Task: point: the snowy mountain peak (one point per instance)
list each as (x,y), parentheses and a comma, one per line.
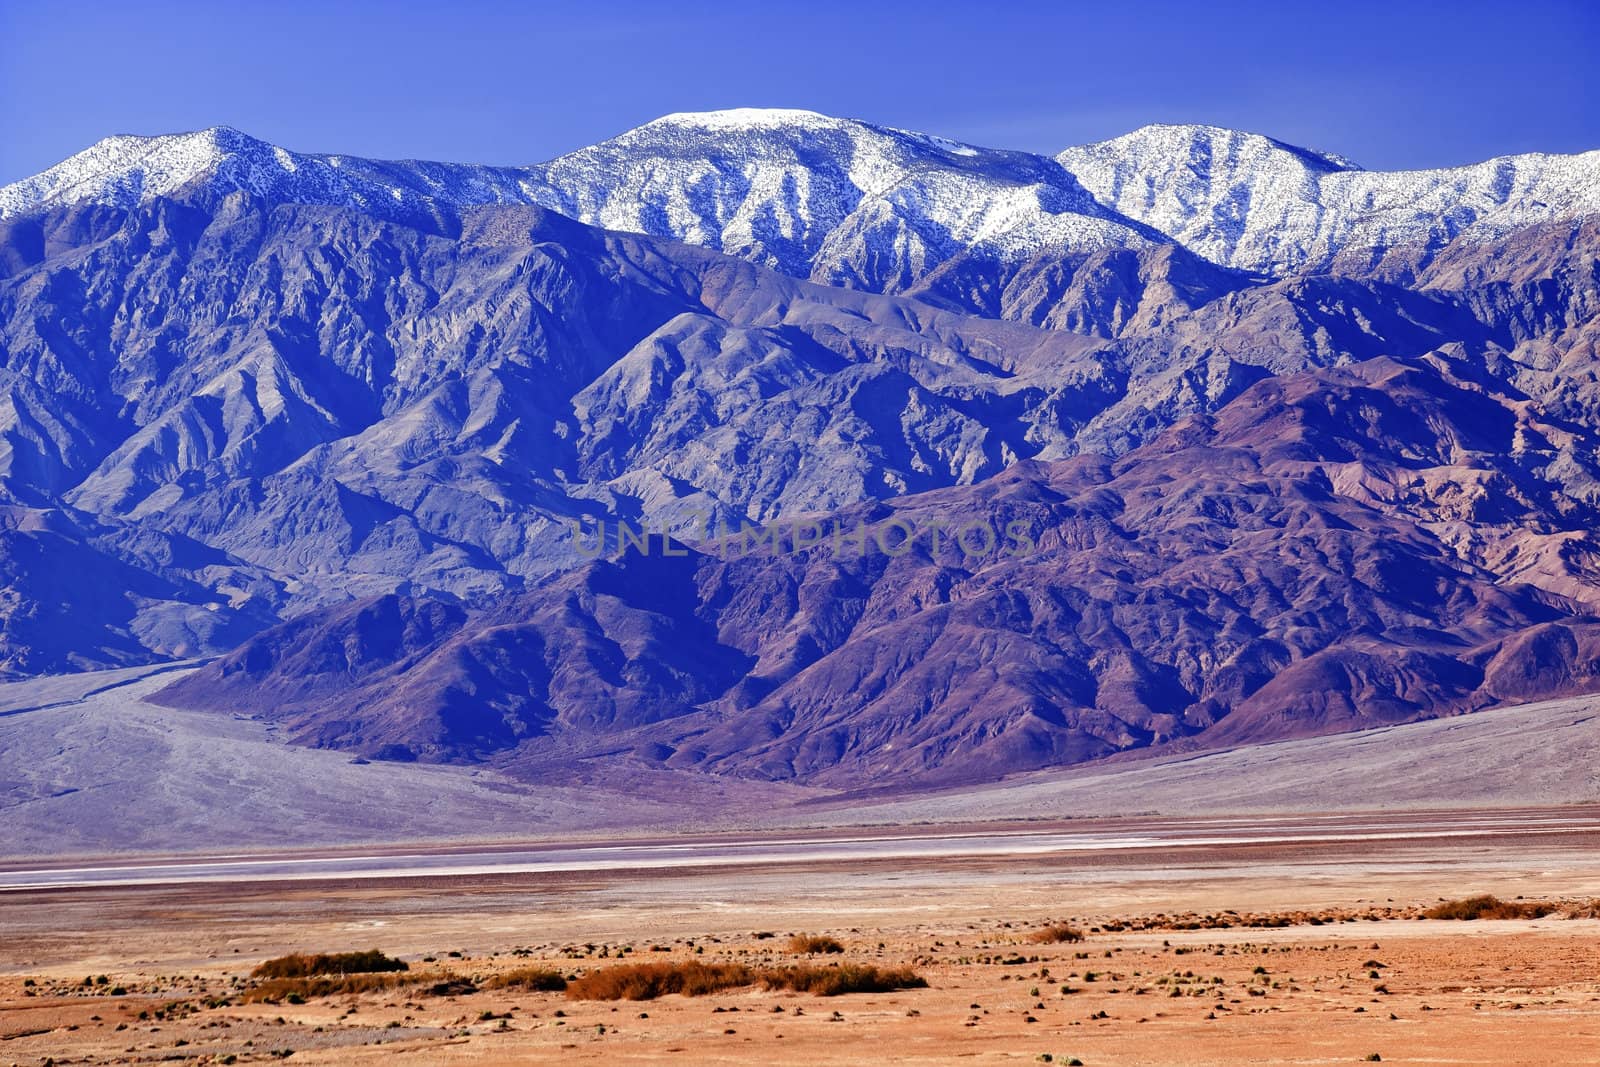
(746,118)
(124,170)
(1245,200)
(1208,144)
(805,138)
(840,201)
(800,122)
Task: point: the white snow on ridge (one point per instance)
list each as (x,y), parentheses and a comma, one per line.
(125,171)
(775,186)
(1247,201)
(118,170)
(854,203)
(744,118)
(832,199)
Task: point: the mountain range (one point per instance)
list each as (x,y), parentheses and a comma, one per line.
(1294,447)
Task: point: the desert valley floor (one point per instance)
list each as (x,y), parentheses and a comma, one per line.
(154,857)
(1205,941)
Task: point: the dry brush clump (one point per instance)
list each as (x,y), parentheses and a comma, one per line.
(532,979)
(842,978)
(300,965)
(1230,918)
(813,945)
(1056,934)
(646,981)
(1488,907)
(275,989)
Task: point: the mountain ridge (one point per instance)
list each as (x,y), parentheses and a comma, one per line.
(834,199)
(315,400)
(1343,217)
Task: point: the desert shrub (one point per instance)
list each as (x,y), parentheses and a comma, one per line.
(1487,907)
(276,989)
(1059,933)
(533,979)
(813,944)
(841,978)
(452,986)
(646,981)
(299,965)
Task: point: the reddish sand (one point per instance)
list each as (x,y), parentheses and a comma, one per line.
(1491,992)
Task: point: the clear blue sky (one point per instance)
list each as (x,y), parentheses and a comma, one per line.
(1390,84)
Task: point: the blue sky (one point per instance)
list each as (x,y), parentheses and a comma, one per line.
(1391,84)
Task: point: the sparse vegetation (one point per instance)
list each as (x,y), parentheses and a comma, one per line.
(1057,934)
(813,944)
(1487,907)
(286,989)
(646,981)
(299,965)
(533,979)
(843,978)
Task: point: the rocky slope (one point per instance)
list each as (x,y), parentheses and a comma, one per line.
(353,404)
(336,405)
(1287,566)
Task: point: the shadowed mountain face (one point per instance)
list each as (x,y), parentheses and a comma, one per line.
(1293,447)
(337,406)
(1254,574)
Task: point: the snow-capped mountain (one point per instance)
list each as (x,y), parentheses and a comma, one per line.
(845,202)
(256,385)
(838,201)
(1247,201)
(126,171)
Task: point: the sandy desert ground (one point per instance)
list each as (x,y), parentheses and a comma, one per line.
(1204,943)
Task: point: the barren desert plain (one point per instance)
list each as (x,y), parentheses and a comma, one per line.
(1203,941)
